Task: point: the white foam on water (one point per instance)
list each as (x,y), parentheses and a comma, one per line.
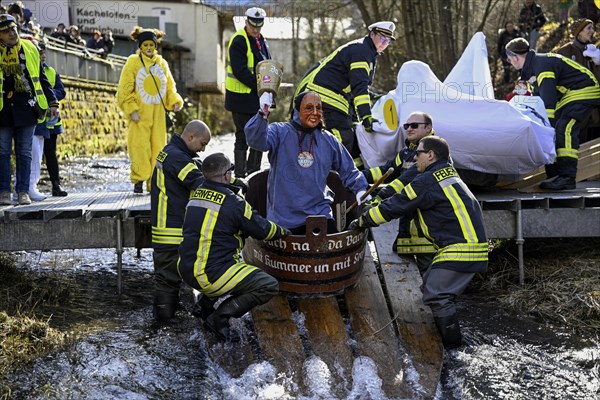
(259,381)
(366,384)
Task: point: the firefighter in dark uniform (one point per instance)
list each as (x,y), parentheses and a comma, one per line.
(247,47)
(570,92)
(176,175)
(409,241)
(451,218)
(342,79)
(216,223)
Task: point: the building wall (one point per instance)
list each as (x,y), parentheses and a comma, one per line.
(191,26)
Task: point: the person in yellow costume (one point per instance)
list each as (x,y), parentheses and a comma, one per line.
(146,90)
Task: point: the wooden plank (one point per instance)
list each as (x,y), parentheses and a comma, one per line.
(328,339)
(587,167)
(278,337)
(414,319)
(375,334)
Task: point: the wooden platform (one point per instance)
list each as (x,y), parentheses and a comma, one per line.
(382,317)
(588,167)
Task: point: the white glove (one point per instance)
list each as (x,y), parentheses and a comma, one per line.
(135,117)
(592,52)
(265,101)
(377,127)
(359,195)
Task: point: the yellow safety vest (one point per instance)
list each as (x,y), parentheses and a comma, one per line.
(51,75)
(32,63)
(231,82)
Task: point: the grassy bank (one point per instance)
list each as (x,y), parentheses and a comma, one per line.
(562,280)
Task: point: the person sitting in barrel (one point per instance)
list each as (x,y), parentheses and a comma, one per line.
(216,222)
(301,154)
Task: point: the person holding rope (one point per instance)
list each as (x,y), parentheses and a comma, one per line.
(301,154)
(146,92)
(452,219)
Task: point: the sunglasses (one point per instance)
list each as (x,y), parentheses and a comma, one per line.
(230,169)
(422,151)
(414,125)
(384,39)
(511,53)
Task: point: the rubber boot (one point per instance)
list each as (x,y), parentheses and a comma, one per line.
(450,330)
(240,163)
(551,170)
(57,190)
(164,306)
(254,161)
(203,308)
(233,307)
(138,187)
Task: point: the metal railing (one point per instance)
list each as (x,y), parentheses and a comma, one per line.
(80,62)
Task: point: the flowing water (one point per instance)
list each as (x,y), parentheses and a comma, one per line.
(125,355)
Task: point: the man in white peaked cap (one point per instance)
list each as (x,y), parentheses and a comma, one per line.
(351,65)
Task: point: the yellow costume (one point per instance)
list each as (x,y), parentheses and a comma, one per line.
(138,93)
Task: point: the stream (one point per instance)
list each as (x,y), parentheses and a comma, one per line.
(126,355)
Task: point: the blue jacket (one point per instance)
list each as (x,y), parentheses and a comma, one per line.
(295,192)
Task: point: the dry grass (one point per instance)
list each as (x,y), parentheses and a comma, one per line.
(24,336)
(562,280)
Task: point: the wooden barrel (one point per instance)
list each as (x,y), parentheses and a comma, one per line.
(314,264)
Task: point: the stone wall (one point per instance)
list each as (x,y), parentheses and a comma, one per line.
(92,122)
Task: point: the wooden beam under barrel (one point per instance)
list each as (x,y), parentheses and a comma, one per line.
(374,334)
(415,323)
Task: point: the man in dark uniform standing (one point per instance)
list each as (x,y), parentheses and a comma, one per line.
(452,219)
(247,47)
(342,80)
(216,223)
(176,175)
(570,92)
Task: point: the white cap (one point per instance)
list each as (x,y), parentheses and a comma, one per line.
(256,16)
(385,28)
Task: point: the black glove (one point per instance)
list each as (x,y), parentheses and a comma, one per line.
(375,96)
(239,182)
(285,231)
(355,224)
(374,202)
(368,122)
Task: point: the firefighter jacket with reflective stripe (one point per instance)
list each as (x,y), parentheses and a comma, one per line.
(243,53)
(216,224)
(559,80)
(447,213)
(345,73)
(175,176)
